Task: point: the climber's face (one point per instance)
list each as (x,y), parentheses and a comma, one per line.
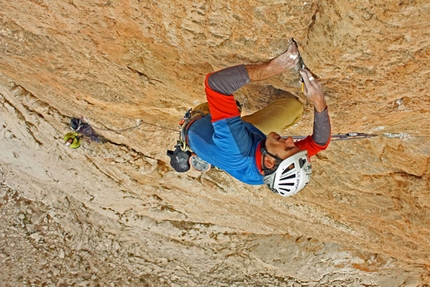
(69,141)
(281,147)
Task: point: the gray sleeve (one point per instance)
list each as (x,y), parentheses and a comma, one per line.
(322,130)
(229,80)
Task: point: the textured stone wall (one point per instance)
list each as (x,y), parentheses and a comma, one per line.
(117,214)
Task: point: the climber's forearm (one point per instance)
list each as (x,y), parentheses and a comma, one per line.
(322,128)
(228,80)
(263,71)
(276,66)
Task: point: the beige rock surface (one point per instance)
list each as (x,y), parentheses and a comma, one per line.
(116,214)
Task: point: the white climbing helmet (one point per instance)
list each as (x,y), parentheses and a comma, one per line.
(291,176)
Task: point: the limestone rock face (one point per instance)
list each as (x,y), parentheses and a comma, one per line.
(116,213)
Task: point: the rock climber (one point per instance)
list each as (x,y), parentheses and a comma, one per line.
(249,147)
(81,129)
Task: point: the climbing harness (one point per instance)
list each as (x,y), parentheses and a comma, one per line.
(182,158)
(187,120)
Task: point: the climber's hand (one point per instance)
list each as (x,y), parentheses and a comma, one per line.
(313,90)
(287,60)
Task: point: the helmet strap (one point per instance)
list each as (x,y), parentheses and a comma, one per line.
(264,152)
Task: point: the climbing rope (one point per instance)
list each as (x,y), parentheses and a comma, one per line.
(140,122)
(334,137)
(342,137)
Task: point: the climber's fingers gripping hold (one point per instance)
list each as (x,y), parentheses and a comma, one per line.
(312,86)
(313,89)
(287,60)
